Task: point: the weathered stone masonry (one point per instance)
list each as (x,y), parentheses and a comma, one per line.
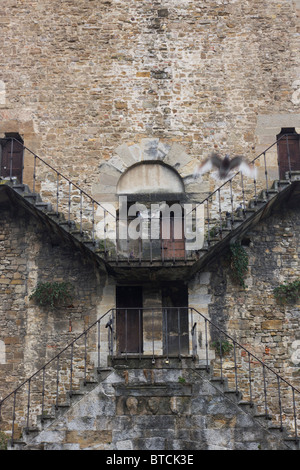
(32,335)
(267,329)
(94,75)
(94,86)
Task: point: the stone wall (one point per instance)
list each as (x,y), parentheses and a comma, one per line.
(263,323)
(31,335)
(78,79)
(251,315)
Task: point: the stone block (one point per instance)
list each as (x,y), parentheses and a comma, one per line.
(272,325)
(177,156)
(125,155)
(89,438)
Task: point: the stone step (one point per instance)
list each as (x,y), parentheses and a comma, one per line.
(233,395)
(21,188)
(248,406)
(43,206)
(32,197)
(17,444)
(292,443)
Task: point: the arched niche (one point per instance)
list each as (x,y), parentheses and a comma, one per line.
(151,178)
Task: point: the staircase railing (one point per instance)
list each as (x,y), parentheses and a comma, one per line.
(218,213)
(228,203)
(48,385)
(247,373)
(177,332)
(65,192)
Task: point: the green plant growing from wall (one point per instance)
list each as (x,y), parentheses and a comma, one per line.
(239,262)
(222,347)
(288,292)
(52,294)
(3,441)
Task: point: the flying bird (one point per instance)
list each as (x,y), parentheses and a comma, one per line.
(225,166)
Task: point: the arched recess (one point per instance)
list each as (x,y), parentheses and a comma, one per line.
(146,150)
(151,178)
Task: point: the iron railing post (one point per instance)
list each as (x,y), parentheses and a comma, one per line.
(265,391)
(206,344)
(71,369)
(220,213)
(85,357)
(250,379)
(28,404)
(179,332)
(152,317)
(69,203)
(235,368)
(279,402)
(167,334)
(266,174)
(11,159)
(140,335)
(13,418)
(80,212)
(43,394)
(221,354)
(289,156)
(57,382)
(98,342)
(34,173)
(243,195)
(126,332)
(57,191)
(295,415)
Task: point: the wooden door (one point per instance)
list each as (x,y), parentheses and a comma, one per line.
(175,319)
(288,154)
(11,159)
(174,246)
(129,319)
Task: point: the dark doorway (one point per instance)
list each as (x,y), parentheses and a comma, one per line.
(129,319)
(11,157)
(288,149)
(175,319)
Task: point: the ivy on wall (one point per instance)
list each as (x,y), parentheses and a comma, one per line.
(239,262)
(52,294)
(288,292)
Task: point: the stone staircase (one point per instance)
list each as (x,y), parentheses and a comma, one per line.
(192,408)
(135,405)
(233,224)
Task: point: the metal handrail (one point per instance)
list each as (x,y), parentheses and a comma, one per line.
(229,181)
(59,175)
(253,358)
(110,318)
(42,370)
(55,357)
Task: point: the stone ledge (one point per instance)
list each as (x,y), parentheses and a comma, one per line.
(158,390)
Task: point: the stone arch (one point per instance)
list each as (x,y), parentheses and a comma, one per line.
(151,177)
(149,149)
